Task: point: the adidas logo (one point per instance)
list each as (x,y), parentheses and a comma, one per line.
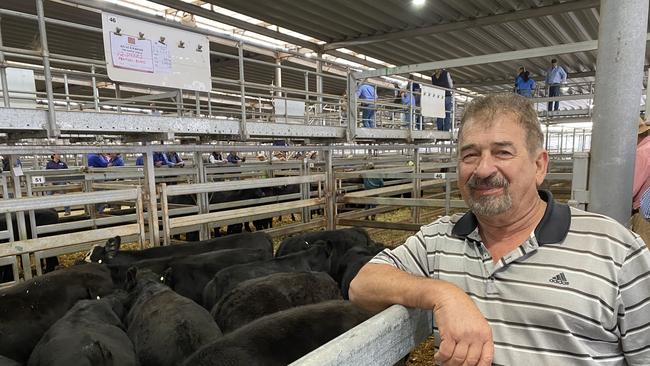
(559,279)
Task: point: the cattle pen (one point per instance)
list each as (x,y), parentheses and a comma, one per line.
(180,146)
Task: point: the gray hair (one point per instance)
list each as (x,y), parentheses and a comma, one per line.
(483,111)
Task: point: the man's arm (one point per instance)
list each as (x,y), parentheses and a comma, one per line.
(466,335)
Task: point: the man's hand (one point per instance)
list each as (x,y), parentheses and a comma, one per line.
(466,337)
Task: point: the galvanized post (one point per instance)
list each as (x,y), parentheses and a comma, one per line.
(621,50)
(118,96)
(93,81)
(304,190)
(579,176)
(67,92)
(352,107)
(319,89)
(198,102)
(52,130)
(243,132)
(20,216)
(150,189)
(330,191)
(179,103)
(209,103)
(415,211)
(3,73)
(278,76)
(306,98)
(202,198)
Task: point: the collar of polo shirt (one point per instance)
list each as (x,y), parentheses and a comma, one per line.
(553,227)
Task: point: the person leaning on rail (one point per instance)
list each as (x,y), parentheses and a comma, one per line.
(519,279)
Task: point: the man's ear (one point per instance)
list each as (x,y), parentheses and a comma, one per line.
(541,166)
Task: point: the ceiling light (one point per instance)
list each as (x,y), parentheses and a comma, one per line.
(419,2)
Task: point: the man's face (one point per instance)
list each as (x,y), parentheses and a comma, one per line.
(497,174)
(56,157)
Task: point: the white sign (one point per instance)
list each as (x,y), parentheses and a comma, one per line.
(141,52)
(131,53)
(38,179)
(289,110)
(22,84)
(432,102)
(439,175)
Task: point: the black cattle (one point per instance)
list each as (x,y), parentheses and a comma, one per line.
(189,275)
(111,253)
(283,337)
(350,264)
(90,334)
(28,309)
(266,295)
(41,217)
(316,258)
(344,239)
(165,327)
(4,361)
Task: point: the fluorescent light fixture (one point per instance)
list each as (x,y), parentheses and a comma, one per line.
(419,2)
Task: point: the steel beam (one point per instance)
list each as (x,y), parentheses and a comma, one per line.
(472,23)
(616,114)
(490,58)
(52,130)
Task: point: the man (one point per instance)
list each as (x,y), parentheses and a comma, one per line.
(555,77)
(99,160)
(366,93)
(519,279)
(233,158)
(641,181)
(115,159)
(442,78)
(56,163)
(175,159)
(417,93)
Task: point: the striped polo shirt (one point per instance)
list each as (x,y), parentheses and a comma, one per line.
(576,292)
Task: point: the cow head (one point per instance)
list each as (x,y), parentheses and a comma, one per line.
(112,247)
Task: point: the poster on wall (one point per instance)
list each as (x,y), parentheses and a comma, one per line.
(141,52)
(433,102)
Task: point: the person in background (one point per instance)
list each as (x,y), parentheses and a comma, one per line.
(520,73)
(372,183)
(232,158)
(525,85)
(641,181)
(99,160)
(555,77)
(216,158)
(442,78)
(159,160)
(417,94)
(408,101)
(519,279)
(55,162)
(174,159)
(366,94)
(115,159)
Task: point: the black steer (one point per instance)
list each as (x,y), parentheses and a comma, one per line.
(316,258)
(281,338)
(28,309)
(90,334)
(255,298)
(189,275)
(350,264)
(165,327)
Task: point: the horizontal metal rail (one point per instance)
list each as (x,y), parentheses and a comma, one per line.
(238,185)
(35,203)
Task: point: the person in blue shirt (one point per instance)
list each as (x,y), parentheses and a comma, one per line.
(174,159)
(408,100)
(55,162)
(417,94)
(115,159)
(525,85)
(366,93)
(234,159)
(159,159)
(555,77)
(98,161)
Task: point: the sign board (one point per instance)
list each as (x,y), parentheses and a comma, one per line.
(287,111)
(433,102)
(22,88)
(144,53)
(38,179)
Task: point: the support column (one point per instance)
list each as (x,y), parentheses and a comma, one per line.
(243,133)
(415,211)
(621,52)
(352,107)
(52,128)
(3,74)
(278,76)
(202,198)
(150,189)
(330,191)
(319,89)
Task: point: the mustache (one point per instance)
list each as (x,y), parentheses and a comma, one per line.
(493,181)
